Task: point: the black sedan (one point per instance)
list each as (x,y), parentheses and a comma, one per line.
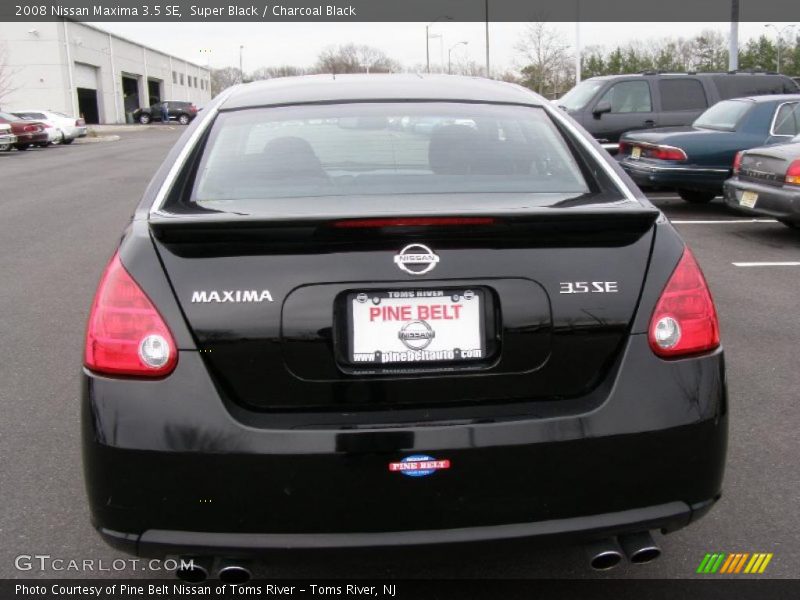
(697,160)
(320,332)
(766,181)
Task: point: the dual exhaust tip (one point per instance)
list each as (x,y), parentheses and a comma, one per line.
(198,569)
(639,548)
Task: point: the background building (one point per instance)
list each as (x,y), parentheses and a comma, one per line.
(79,69)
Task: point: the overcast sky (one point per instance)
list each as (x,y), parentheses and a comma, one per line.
(273,44)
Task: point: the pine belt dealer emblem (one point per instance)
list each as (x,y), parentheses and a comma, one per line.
(416,259)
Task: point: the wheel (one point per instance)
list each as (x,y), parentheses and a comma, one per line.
(792,224)
(144,118)
(5,147)
(183,119)
(67,141)
(696,197)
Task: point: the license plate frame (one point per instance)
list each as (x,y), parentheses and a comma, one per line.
(401,336)
(636,153)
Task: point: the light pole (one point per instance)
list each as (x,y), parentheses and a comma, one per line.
(428,37)
(241,71)
(449,51)
(780,31)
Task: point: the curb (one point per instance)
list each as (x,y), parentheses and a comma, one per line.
(97,139)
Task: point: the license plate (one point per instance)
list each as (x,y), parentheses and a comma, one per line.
(748,199)
(636,153)
(416,326)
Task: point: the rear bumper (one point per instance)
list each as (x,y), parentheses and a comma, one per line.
(683,177)
(158,542)
(778,202)
(169,469)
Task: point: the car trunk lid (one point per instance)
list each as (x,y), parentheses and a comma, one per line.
(277,305)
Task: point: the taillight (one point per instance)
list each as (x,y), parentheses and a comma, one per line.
(80,123)
(737,163)
(624,148)
(685,320)
(666,153)
(126,335)
(31,128)
(793,173)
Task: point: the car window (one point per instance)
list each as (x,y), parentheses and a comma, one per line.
(629,97)
(787,120)
(580,95)
(724,116)
(682,94)
(381,149)
(31,115)
(741,85)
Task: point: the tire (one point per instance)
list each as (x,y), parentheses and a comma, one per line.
(5,147)
(144,118)
(183,119)
(67,141)
(22,147)
(43,145)
(696,197)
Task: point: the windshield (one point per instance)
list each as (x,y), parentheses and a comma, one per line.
(724,115)
(381,149)
(580,95)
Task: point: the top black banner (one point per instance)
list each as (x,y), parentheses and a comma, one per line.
(401,10)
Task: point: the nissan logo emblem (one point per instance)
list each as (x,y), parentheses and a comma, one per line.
(416,259)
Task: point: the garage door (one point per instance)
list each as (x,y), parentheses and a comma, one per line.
(85,76)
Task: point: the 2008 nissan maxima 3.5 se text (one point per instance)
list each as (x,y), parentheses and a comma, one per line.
(391,310)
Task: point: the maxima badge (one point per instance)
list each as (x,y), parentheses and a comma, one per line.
(416,259)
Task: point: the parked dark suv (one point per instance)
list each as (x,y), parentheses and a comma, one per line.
(609,106)
(182,112)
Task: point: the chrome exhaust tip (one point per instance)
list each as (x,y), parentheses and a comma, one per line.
(640,547)
(193,569)
(231,572)
(604,554)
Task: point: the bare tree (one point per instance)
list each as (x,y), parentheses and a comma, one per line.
(544,56)
(351,58)
(273,72)
(6,74)
(223,78)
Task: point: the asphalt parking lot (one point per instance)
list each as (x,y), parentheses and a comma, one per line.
(61,213)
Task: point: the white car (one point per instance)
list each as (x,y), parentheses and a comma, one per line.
(61,128)
(7,139)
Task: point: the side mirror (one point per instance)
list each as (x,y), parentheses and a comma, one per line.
(604,106)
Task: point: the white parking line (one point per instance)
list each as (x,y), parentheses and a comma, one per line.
(718,221)
(767,264)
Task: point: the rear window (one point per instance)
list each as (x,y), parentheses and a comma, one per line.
(724,116)
(381,149)
(682,94)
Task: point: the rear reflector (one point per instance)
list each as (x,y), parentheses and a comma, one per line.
(685,320)
(126,335)
(414,222)
(793,173)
